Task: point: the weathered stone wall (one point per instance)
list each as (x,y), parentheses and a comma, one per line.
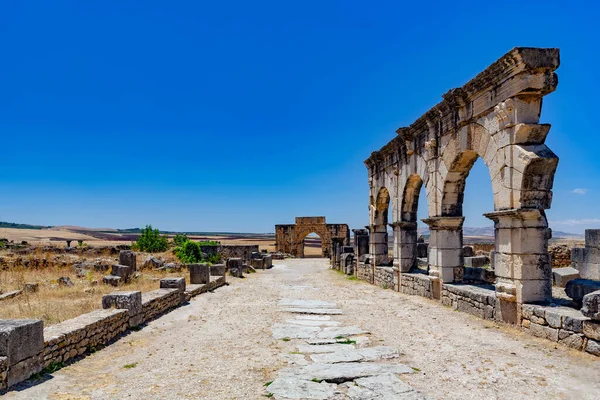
(82,334)
(364,272)
(416,284)
(560,254)
(385,277)
(289,238)
(563,325)
(482,247)
(494,117)
(158,302)
(243,251)
(3,373)
(470,299)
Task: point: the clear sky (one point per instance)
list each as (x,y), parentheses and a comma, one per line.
(235,116)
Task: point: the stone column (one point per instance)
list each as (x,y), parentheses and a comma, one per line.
(405,245)
(379,244)
(445,248)
(522,264)
(336,251)
(361,242)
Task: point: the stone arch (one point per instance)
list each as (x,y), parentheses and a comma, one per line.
(494,116)
(304,234)
(382,205)
(410,198)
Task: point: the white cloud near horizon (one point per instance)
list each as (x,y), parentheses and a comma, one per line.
(579,191)
(574,222)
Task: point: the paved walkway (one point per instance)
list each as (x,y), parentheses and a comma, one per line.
(229,344)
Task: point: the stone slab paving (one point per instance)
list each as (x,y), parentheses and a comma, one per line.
(318,311)
(328,365)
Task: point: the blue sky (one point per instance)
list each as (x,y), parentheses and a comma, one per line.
(235,116)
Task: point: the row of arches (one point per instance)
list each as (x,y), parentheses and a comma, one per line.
(521,177)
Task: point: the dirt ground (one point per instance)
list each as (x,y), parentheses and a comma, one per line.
(220,347)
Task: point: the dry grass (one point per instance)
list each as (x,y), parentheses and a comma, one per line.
(54,303)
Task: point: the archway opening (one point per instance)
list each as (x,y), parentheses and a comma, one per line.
(312,246)
(380,236)
(412,246)
(478,231)
(471,238)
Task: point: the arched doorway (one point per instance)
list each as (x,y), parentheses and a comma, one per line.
(312,246)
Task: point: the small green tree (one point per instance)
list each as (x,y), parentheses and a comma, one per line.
(151,240)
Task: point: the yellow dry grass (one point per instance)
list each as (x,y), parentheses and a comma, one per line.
(53,303)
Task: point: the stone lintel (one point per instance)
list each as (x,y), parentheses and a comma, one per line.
(444,223)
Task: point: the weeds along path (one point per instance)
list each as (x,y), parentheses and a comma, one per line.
(221,346)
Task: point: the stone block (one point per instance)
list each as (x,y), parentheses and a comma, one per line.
(130,301)
(347,249)
(199,274)
(234,263)
(173,283)
(268,261)
(128,257)
(589,270)
(476,261)
(592,238)
(468,251)
(574,323)
(591,329)
(591,305)
(24,369)
(218,270)
(21,339)
(563,275)
(123,271)
(256,255)
(593,347)
(578,288)
(111,280)
(422,250)
(257,263)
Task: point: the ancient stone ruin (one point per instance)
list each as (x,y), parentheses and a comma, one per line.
(495,116)
(290,238)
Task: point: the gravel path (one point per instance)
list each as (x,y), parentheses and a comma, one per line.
(220,346)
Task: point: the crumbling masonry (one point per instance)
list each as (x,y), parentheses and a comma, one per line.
(290,238)
(495,117)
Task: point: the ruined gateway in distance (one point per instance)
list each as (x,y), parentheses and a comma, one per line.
(289,238)
(495,116)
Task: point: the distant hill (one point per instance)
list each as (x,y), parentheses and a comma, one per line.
(21,226)
(488,231)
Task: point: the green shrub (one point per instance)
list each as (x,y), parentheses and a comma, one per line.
(189,252)
(180,239)
(151,240)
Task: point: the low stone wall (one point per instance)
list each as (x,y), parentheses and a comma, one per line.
(79,335)
(195,290)
(384,277)
(416,284)
(364,272)
(484,247)
(560,254)
(243,251)
(3,373)
(474,300)
(563,325)
(158,302)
